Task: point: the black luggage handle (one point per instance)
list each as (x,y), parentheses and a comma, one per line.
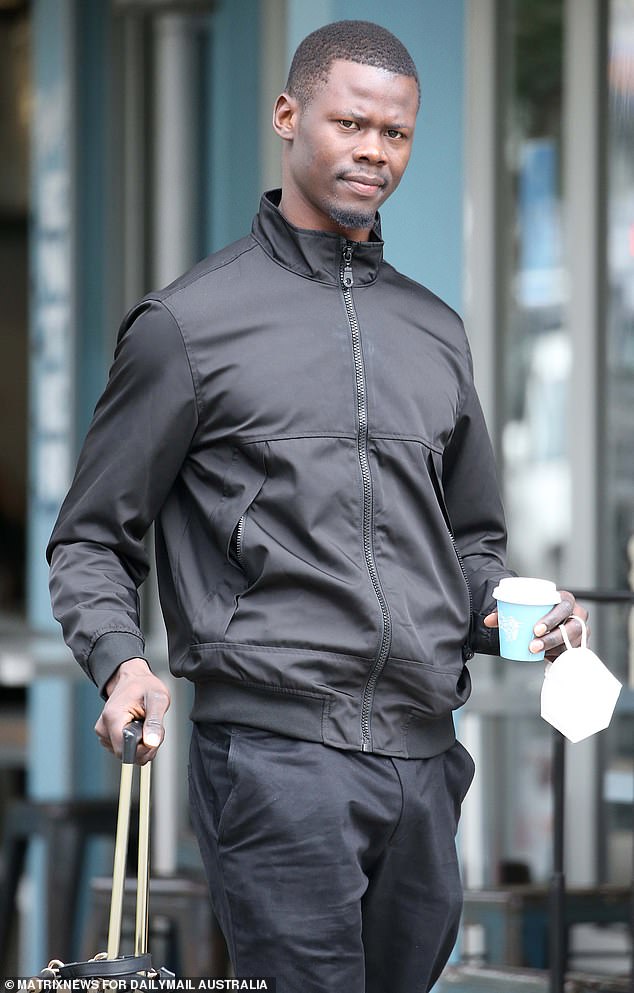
(132,734)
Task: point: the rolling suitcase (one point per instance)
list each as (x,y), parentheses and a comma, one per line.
(110,965)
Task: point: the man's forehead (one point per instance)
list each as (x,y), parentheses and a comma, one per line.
(367,84)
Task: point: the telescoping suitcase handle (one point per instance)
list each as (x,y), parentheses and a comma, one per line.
(132,734)
(110,965)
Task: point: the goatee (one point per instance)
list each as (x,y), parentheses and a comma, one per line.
(350,219)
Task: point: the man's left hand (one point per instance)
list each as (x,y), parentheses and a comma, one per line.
(548,637)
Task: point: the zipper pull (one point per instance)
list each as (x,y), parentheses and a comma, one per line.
(346,272)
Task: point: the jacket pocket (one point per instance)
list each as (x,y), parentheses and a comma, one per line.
(225,579)
(236,523)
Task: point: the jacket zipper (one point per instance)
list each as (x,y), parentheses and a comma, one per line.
(467,651)
(347,282)
(239,537)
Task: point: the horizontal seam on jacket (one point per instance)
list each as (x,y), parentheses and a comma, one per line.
(251,439)
(223,645)
(425,665)
(295,436)
(288,690)
(418,440)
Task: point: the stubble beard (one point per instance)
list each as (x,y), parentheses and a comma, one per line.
(350,219)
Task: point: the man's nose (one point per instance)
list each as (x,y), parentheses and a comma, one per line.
(370,150)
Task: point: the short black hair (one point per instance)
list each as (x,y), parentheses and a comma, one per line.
(352,41)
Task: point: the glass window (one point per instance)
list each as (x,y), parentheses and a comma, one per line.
(536,348)
(532,377)
(617,490)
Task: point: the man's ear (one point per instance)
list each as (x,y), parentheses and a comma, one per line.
(285,116)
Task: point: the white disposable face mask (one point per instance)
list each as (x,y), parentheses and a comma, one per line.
(579,693)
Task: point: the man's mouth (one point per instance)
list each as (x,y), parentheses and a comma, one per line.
(367,186)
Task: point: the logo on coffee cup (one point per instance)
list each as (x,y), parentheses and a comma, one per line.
(510,626)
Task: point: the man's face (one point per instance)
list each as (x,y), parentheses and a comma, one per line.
(345,152)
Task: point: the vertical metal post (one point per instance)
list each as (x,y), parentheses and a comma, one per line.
(632,915)
(174,223)
(630,628)
(558,881)
(585,240)
(481,198)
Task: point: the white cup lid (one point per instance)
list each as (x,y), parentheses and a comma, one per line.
(522,589)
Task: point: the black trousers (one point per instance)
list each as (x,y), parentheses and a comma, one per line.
(333,871)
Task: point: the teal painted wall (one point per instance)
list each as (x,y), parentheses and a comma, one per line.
(233,122)
(422,223)
(93,353)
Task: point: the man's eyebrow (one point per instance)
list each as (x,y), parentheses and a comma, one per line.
(360,118)
(354,115)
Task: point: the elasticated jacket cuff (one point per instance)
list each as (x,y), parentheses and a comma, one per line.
(484,640)
(109,651)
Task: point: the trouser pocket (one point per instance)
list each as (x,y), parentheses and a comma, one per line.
(211,784)
(459,773)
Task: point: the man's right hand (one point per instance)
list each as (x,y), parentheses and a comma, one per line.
(134,693)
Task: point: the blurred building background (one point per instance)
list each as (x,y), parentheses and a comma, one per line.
(135,139)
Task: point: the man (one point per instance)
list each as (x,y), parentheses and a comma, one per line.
(300,421)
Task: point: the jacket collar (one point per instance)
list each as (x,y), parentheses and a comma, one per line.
(315,254)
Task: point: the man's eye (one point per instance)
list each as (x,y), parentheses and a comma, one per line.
(348,125)
(392,133)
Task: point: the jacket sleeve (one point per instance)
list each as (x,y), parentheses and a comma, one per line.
(139,436)
(474,506)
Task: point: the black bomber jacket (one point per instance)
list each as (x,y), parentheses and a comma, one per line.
(301,423)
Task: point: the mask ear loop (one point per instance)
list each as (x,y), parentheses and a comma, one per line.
(584,633)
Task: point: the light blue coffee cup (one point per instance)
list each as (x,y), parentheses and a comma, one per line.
(522,602)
